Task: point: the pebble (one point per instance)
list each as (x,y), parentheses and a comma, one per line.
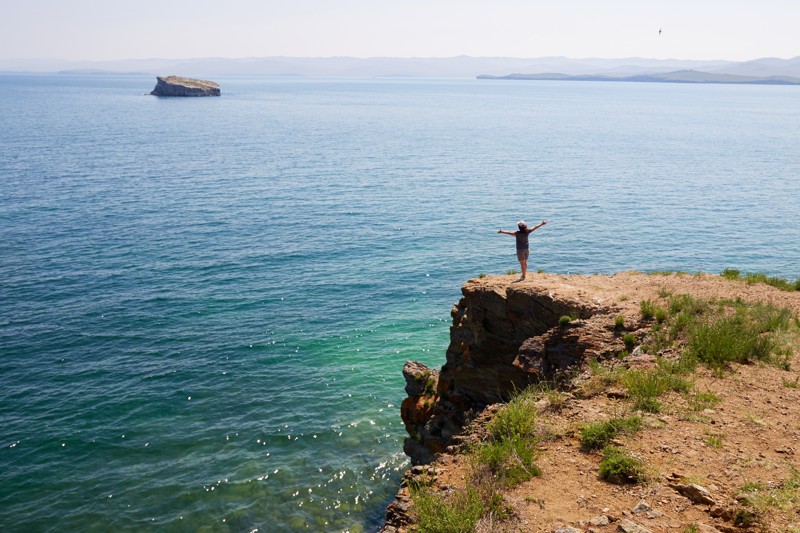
(626,526)
(601,520)
(642,507)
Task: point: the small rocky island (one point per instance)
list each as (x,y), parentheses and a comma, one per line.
(178,86)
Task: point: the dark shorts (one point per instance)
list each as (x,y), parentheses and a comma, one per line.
(522,255)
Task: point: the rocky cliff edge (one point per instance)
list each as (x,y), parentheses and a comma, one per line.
(506,335)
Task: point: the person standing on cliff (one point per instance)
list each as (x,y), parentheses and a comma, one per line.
(522,243)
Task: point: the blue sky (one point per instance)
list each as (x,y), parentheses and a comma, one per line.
(114,29)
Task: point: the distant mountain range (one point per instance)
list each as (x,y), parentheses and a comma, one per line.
(678,76)
(461,66)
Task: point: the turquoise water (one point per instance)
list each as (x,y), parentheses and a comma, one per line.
(205,304)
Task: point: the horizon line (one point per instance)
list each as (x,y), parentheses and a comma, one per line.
(366,58)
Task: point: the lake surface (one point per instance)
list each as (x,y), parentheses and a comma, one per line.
(206,304)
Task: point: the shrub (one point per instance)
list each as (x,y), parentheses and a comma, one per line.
(517,418)
(730,273)
(481,275)
(720,342)
(759,277)
(510,450)
(663,291)
(512,460)
(645,386)
(778,283)
(687,304)
(661,314)
(564,321)
(648,309)
(597,435)
(619,322)
(511,271)
(629,340)
(458,510)
(437,513)
(618,466)
(744,518)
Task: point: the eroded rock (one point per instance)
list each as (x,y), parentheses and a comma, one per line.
(504,337)
(179,86)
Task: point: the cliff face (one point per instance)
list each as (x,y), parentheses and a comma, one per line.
(177,86)
(504,337)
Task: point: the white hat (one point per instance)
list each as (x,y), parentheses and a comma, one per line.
(522,223)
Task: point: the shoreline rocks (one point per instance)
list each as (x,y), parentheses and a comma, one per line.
(178,86)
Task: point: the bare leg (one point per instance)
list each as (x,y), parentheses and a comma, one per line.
(524,266)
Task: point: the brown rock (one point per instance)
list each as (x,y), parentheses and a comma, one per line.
(696,493)
(626,526)
(178,86)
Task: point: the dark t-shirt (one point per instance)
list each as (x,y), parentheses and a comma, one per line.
(522,239)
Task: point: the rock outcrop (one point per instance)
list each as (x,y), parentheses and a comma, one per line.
(178,86)
(504,337)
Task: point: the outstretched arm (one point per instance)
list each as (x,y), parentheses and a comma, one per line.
(505,232)
(542,223)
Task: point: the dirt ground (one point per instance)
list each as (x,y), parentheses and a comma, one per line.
(751,436)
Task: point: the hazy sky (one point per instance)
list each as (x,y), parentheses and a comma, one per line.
(125,29)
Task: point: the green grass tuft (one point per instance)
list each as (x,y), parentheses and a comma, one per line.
(700,400)
(517,418)
(597,435)
(510,451)
(630,341)
(451,513)
(618,466)
(645,386)
(792,384)
(760,500)
(648,309)
(456,510)
(759,277)
(511,460)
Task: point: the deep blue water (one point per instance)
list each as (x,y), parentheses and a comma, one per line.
(205,304)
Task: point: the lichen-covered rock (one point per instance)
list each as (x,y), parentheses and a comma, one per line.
(178,86)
